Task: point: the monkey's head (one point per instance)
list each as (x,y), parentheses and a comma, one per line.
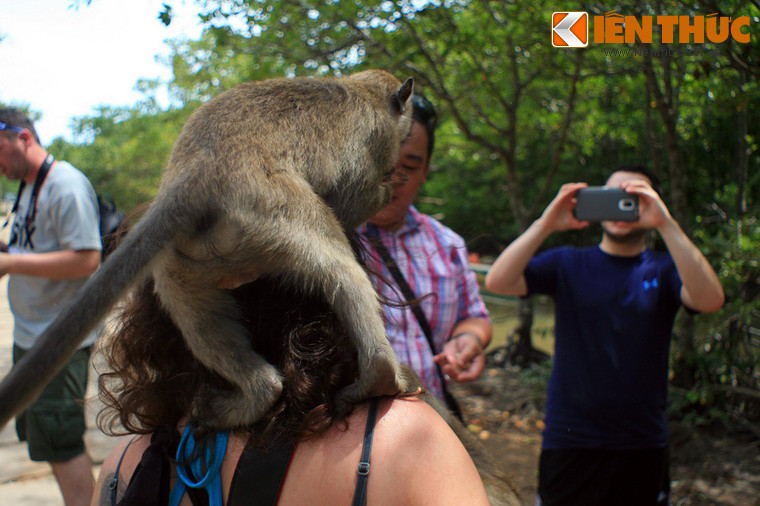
(384,124)
(398,97)
(401,105)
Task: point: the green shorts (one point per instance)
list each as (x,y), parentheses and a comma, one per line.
(54,425)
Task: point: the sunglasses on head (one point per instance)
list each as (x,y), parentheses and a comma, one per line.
(424,108)
(11,128)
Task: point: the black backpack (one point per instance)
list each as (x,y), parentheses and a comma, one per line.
(110,220)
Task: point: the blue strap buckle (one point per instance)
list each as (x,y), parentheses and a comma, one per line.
(363,469)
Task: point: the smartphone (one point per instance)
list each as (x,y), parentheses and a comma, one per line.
(600,203)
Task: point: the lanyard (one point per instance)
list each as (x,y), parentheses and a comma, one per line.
(32,211)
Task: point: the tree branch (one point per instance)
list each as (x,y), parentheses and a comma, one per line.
(563,131)
(439,84)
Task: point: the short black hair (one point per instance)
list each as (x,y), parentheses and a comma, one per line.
(423,112)
(15,117)
(640,169)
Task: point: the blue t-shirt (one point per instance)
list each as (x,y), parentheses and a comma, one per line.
(613,324)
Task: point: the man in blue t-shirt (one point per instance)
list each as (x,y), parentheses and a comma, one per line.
(606,438)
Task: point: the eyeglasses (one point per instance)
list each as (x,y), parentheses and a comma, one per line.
(7,127)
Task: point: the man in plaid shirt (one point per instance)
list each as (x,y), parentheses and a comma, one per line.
(433,260)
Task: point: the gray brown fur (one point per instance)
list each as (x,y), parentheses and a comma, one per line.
(263,179)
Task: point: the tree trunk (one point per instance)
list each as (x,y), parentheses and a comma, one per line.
(742,155)
(524,354)
(522,351)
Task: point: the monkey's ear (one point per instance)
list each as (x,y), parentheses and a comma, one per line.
(398,101)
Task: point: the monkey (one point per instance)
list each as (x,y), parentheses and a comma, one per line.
(263,179)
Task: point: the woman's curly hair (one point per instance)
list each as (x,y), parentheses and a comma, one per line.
(151,377)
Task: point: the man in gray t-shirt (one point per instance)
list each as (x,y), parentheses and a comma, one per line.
(54,247)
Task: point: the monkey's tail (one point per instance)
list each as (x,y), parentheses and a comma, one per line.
(127,264)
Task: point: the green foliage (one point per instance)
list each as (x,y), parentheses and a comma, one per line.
(123,150)
(728,360)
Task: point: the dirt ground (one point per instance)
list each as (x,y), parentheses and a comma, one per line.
(505,409)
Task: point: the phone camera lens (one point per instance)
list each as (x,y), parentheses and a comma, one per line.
(626,204)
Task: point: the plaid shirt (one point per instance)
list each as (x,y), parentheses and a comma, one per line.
(433,259)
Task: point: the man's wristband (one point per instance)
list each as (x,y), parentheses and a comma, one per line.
(473,334)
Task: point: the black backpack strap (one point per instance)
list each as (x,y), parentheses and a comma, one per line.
(150,481)
(259,475)
(410,296)
(14,209)
(360,492)
(41,175)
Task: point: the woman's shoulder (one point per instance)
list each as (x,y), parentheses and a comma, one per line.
(395,419)
(415,449)
(126,453)
(407,423)
(404,414)
(119,465)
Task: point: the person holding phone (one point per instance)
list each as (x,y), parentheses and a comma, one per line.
(606,440)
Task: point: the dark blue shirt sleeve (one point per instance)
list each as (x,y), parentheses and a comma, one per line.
(542,272)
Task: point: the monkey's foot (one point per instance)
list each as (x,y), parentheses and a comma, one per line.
(215,409)
(382,376)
